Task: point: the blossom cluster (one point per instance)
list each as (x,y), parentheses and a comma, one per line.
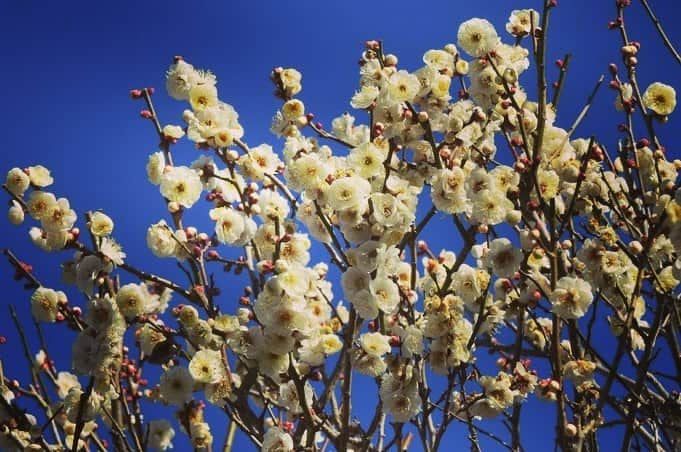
(525,268)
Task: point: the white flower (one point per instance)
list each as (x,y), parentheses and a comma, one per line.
(365,304)
(293,109)
(490,207)
(160,240)
(180,78)
(132,300)
(40,176)
(521,21)
(290,79)
(181,185)
(504,258)
(477,37)
(66,381)
(161,434)
(39,203)
(17,181)
(177,385)
(259,161)
(203,96)
(348,192)
(111,249)
(58,216)
(366,160)
(386,294)
(375,344)
(365,97)
(45,304)
(100,224)
(273,205)
(571,298)
(403,86)
(155,166)
(439,59)
(277,440)
(16,213)
(660,98)
(173,132)
(229,224)
(206,366)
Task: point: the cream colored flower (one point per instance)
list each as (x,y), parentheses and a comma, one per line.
(348,192)
(203,96)
(259,161)
(367,160)
(16,213)
(182,185)
(365,97)
(177,385)
(160,240)
(504,258)
(229,224)
(206,366)
(173,132)
(660,98)
(59,216)
(386,294)
(155,166)
(45,304)
(571,298)
(180,78)
(477,37)
(521,20)
(375,344)
(66,381)
(132,300)
(293,109)
(100,224)
(277,440)
(17,181)
(40,176)
(439,59)
(403,86)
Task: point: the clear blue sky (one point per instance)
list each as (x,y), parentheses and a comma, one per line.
(68,67)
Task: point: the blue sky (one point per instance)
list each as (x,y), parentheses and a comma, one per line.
(68,67)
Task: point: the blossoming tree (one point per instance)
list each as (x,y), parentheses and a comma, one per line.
(553,236)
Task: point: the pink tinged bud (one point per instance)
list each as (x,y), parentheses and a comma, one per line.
(319,125)
(135,93)
(212,255)
(371,45)
(612,67)
(555,84)
(3,340)
(60,317)
(643,142)
(77,311)
(560,63)
(146,114)
(395,341)
(151,90)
